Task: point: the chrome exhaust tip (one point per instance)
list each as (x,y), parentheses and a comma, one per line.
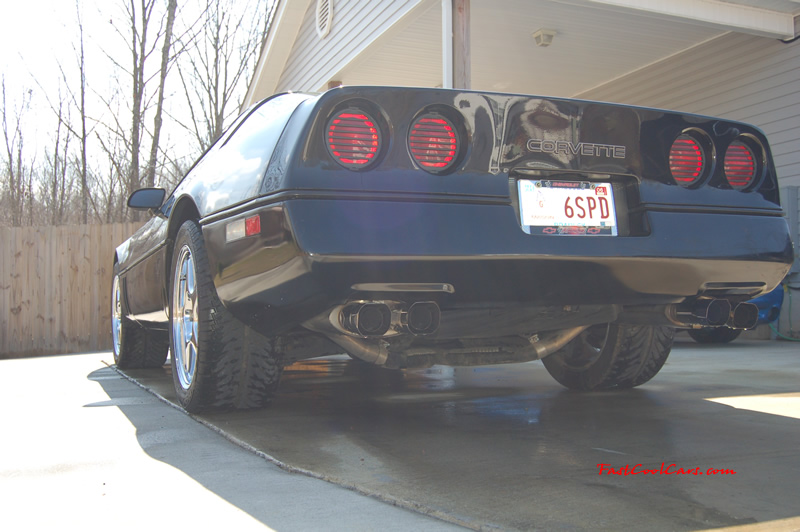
(705,312)
(744,316)
(371,319)
(423,318)
(366,319)
(717,312)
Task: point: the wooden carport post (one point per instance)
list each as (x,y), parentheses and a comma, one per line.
(455,44)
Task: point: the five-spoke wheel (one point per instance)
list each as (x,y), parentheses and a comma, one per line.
(116,317)
(217,361)
(134,346)
(185,320)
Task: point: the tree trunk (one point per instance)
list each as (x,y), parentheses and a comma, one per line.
(165,62)
(84,135)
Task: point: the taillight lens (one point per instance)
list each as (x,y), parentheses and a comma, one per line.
(687,160)
(433,142)
(740,165)
(354,138)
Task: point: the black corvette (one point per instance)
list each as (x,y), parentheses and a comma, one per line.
(410,227)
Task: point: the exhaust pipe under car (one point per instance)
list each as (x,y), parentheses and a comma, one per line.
(358,326)
(370,319)
(744,316)
(704,312)
(422,318)
(707,312)
(695,314)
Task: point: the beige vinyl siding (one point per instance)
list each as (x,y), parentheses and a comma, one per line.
(355,24)
(408,55)
(790,198)
(736,76)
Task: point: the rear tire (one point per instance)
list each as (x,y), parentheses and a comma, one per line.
(218,362)
(611,356)
(134,346)
(717,335)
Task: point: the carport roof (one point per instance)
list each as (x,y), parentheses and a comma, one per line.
(595,41)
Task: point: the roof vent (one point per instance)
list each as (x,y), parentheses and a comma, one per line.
(324,17)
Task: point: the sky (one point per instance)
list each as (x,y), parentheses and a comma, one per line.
(38,35)
(35,30)
(35,35)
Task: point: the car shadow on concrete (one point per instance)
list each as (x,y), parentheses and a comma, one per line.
(505,447)
(275,497)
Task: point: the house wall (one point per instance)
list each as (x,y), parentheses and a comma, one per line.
(789,323)
(736,76)
(355,24)
(742,77)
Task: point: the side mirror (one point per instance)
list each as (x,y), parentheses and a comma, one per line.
(147,198)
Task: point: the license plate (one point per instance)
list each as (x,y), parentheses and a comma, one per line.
(567,208)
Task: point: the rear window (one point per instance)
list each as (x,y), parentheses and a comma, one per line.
(237,166)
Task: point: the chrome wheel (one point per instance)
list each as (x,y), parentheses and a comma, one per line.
(584,351)
(116,317)
(184,318)
(217,361)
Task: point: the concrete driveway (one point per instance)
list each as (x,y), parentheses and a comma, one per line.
(82,448)
(500,447)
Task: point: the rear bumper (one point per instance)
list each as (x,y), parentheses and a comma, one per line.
(311,253)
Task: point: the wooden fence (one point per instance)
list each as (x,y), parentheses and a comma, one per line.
(55,288)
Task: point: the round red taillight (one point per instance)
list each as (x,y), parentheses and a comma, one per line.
(687,160)
(740,165)
(354,138)
(433,142)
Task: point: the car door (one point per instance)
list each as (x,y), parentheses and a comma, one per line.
(144,269)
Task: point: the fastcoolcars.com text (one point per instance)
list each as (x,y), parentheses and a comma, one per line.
(671,469)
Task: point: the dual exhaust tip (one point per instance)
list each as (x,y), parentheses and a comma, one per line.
(381,318)
(371,319)
(718,313)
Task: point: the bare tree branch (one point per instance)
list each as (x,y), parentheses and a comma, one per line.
(217,67)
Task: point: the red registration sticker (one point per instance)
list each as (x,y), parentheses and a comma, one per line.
(567,208)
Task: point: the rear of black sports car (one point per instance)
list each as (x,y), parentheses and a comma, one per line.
(412,227)
(479,201)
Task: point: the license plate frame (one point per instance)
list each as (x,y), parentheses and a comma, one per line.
(546,206)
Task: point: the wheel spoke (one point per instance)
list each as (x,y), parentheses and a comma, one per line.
(586,348)
(191,358)
(190,284)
